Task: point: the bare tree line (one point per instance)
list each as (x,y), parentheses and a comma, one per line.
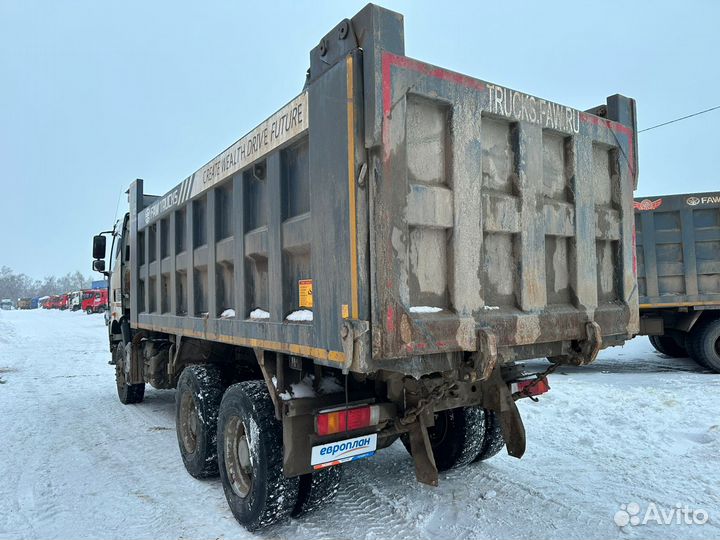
(16,286)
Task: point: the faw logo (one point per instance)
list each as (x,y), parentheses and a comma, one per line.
(647,204)
(694,201)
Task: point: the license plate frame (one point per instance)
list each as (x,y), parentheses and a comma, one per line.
(337,452)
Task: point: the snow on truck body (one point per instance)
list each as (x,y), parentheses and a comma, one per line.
(408,230)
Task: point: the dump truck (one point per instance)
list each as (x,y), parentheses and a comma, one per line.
(678,272)
(371,263)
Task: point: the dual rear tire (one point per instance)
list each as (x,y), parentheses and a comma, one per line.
(235,434)
(668,346)
(703,344)
(250,457)
(462,436)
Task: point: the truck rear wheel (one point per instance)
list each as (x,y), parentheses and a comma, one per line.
(250,457)
(127,393)
(197,402)
(316,490)
(668,346)
(456,438)
(704,344)
(493,440)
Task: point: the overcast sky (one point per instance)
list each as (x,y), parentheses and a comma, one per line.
(94,94)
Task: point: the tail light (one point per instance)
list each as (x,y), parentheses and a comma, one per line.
(339,420)
(530,387)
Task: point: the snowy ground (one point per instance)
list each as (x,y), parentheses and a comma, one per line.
(635,427)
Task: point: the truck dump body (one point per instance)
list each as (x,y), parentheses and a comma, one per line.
(678,250)
(414,211)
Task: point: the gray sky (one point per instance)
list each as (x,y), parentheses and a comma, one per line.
(94,94)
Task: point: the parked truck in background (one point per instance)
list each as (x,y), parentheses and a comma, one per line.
(99,302)
(6,304)
(25,303)
(371,263)
(87,300)
(678,269)
(99,284)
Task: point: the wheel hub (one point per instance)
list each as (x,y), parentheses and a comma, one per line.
(119,368)
(189,422)
(238,461)
(439,431)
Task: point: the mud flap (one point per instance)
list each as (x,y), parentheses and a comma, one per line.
(497,397)
(425,469)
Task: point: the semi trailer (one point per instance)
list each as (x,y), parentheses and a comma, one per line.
(372,263)
(678,271)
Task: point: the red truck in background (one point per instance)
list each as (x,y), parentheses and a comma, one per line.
(53,302)
(82,300)
(98,303)
(64,301)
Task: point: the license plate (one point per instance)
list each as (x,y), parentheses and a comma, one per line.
(337,452)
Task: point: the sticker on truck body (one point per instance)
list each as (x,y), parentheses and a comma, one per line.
(305,294)
(334,453)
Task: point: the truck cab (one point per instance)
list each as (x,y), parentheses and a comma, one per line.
(87,298)
(115,299)
(75,301)
(99,302)
(6,304)
(119,291)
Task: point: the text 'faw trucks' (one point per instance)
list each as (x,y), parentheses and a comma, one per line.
(369,264)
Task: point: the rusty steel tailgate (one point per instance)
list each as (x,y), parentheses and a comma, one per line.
(493,209)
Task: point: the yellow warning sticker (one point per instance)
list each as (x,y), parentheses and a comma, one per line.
(305,291)
(345,311)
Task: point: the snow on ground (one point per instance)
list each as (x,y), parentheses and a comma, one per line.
(635,427)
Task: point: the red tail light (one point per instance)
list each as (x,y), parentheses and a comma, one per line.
(337,421)
(530,387)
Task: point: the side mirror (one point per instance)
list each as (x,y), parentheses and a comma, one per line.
(98,246)
(99,265)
